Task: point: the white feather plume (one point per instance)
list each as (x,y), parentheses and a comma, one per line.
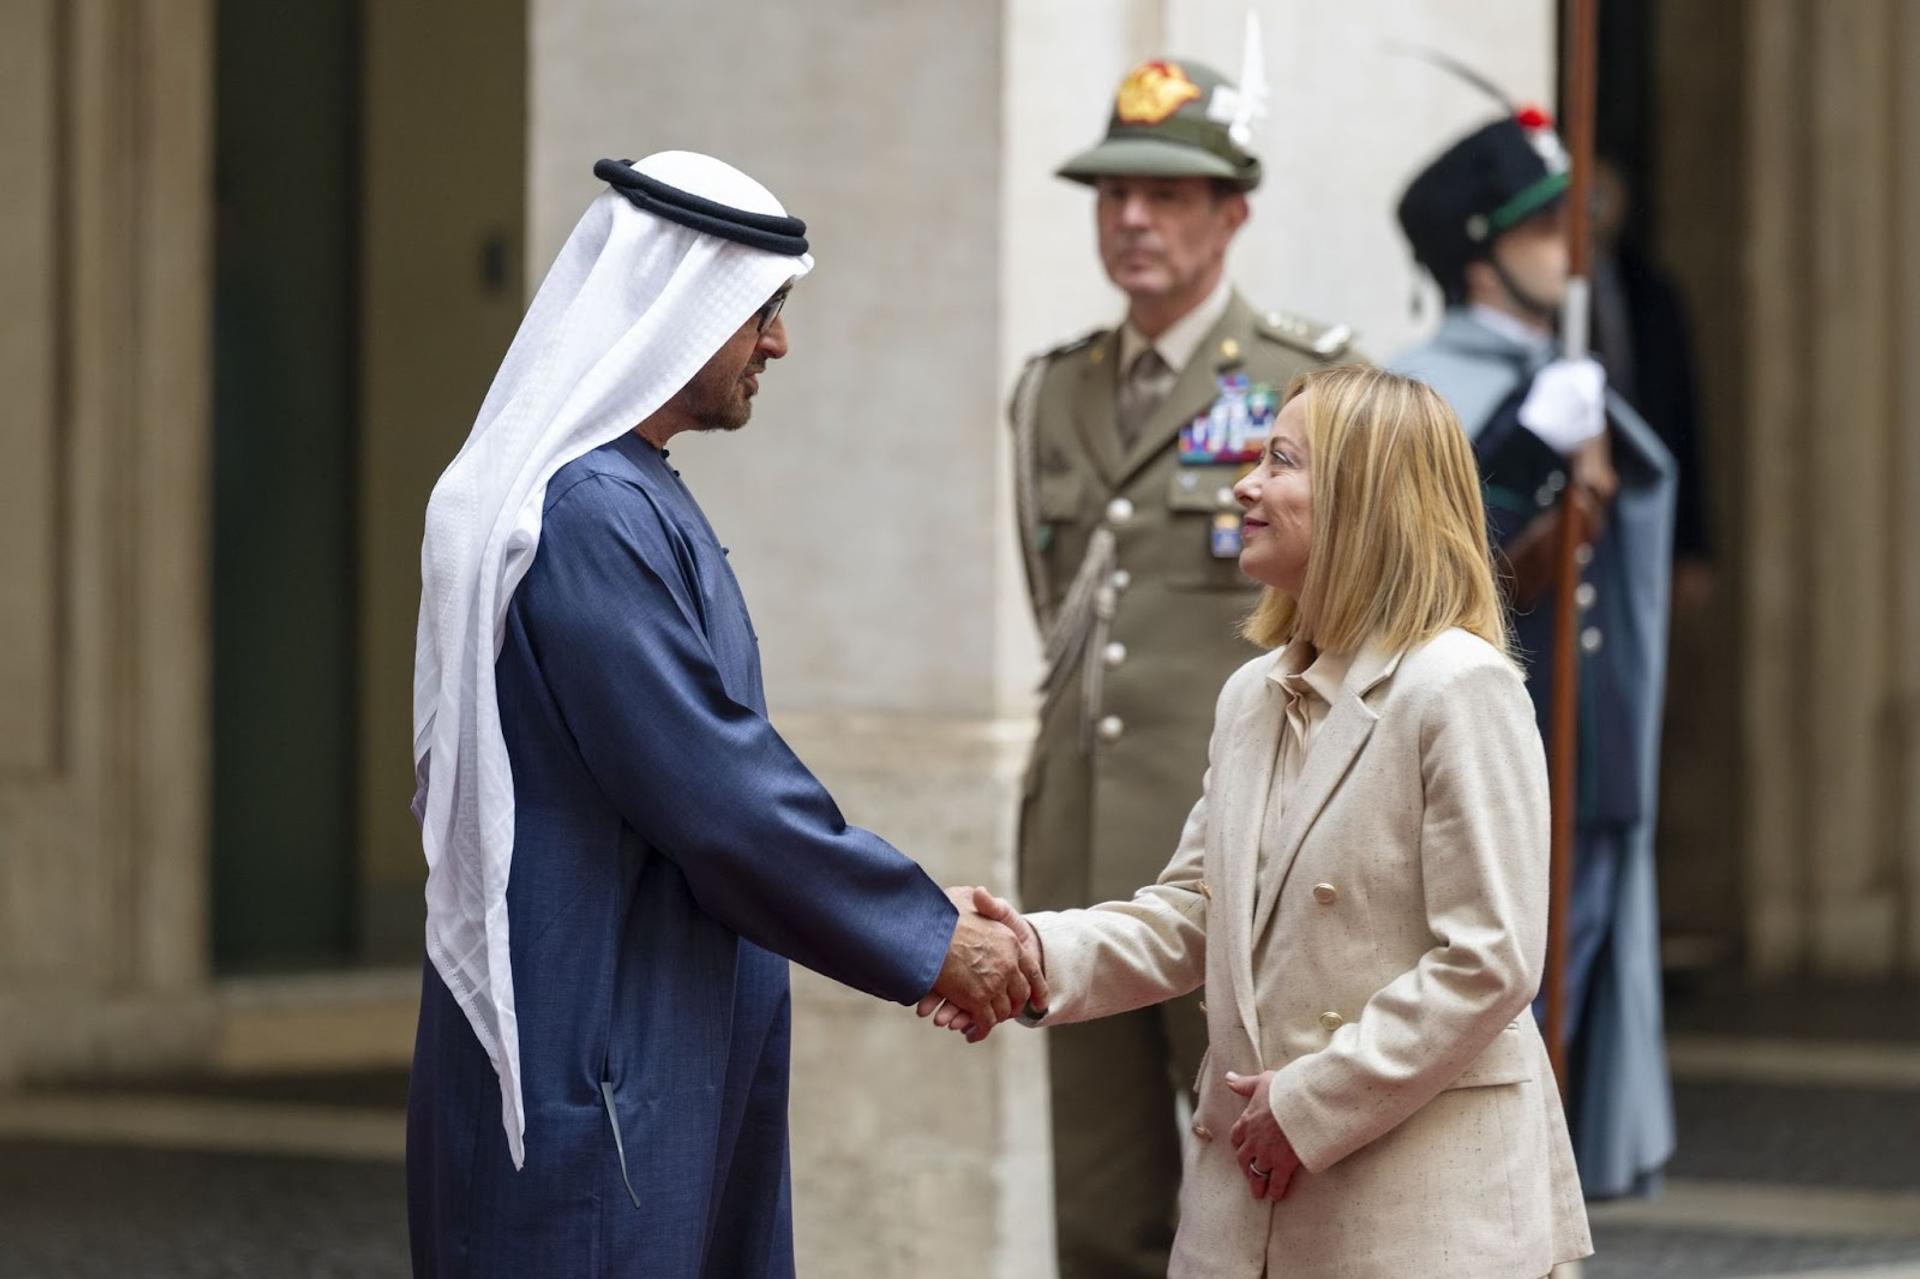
(1251,106)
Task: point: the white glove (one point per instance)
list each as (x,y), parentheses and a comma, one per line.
(1567,404)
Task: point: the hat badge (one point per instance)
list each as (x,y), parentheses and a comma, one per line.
(1153,91)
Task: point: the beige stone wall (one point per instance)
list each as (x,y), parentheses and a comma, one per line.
(103,659)
(935,1151)
(1350,121)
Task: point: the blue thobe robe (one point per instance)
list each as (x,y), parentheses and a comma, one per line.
(1620,1108)
(670,856)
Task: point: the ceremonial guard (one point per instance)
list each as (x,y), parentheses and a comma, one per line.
(1486,219)
(1127,444)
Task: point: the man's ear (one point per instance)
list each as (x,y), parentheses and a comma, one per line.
(1237,210)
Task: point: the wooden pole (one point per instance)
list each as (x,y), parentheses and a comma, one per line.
(1581,31)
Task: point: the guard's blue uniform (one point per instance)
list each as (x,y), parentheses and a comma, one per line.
(1621,1110)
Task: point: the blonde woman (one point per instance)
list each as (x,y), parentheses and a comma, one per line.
(1362,888)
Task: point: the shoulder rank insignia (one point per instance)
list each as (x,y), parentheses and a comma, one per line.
(1324,340)
(1080,343)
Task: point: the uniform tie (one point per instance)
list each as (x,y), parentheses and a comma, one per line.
(1146,386)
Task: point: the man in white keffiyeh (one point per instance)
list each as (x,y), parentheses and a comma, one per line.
(623,854)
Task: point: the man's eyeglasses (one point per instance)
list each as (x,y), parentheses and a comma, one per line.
(767,314)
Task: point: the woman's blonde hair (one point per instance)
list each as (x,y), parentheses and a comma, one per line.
(1400,549)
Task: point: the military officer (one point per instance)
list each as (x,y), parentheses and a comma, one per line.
(1127,446)
(1485,218)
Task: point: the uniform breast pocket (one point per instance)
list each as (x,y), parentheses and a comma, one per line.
(1205,521)
(1060,532)
(1058,495)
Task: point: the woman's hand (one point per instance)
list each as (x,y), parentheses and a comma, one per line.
(1266,1156)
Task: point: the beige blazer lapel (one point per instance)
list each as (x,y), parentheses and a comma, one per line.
(1349,724)
(1346,730)
(1196,388)
(1094,406)
(1241,802)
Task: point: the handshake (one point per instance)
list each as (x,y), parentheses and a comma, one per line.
(994,970)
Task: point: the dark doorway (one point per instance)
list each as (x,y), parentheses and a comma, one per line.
(285,407)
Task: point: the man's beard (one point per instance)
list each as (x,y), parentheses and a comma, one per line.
(714,421)
(723,412)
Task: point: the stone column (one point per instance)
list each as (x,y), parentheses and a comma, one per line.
(1829,621)
(1904,773)
(104,253)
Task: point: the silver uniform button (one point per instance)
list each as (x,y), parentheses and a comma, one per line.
(1111,728)
(1591,639)
(1115,654)
(1120,580)
(1583,554)
(1584,595)
(1119,511)
(1225,497)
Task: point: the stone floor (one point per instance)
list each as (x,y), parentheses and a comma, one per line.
(87,1211)
(1799,1154)
(1798,1115)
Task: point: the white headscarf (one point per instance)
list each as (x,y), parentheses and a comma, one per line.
(632,308)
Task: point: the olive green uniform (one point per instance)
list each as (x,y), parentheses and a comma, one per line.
(1139,597)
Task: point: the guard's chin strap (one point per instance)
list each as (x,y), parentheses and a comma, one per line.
(1541,311)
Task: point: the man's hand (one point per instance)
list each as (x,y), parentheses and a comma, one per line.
(1567,404)
(1266,1156)
(1593,471)
(993,969)
(981,976)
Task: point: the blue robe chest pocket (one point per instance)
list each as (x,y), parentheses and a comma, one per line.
(1205,524)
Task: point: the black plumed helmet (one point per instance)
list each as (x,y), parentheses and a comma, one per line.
(1487,183)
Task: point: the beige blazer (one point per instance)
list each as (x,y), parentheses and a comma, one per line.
(1409,920)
